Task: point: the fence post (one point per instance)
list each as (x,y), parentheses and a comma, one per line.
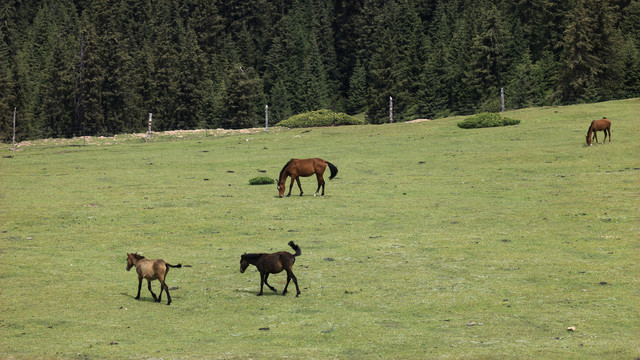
(149,131)
(13,144)
(266,118)
(390,109)
(502,98)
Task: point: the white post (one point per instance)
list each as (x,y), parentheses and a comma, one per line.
(502,97)
(390,109)
(266,118)
(13,144)
(149,131)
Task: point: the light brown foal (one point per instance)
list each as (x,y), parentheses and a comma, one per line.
(151,270)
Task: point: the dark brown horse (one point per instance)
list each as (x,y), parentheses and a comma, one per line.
(304,167)
(273,264)
(604,125)
(151,270)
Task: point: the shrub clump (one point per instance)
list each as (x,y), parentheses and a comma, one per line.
(320,118)
(486,120)
(261,180)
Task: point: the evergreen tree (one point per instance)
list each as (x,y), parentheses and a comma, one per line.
(242,99)
(488,59)
(280,107)
(191,82)
(590,60)
(55,111)
(357,95)
(7,91)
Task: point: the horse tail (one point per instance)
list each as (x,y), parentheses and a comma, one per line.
(282,171)
(173,266)
(334,170)
(296,248)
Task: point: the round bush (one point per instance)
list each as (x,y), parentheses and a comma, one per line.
(261,180)
(485,120)
(320,118)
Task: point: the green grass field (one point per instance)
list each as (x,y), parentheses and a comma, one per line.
(432,242)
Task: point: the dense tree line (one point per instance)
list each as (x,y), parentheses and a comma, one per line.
(100,66)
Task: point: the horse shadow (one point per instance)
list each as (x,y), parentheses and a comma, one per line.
(147,299)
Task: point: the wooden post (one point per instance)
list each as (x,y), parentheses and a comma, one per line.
(149,131)
(13,144)
(266,118)
(390,109)
(502,97)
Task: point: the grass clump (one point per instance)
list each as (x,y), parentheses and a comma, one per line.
(320,118)
(486,120)
(261,180)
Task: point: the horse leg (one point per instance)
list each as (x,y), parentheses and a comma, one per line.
(139,287)
(295,281)
(284,292)
(152,294)
(261,283)
(320,183)
(166,288)
(161,290)
(266,276)
(290,186)
(291,276)
(299,187)
(595,136)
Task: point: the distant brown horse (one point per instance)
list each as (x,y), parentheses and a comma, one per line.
(304,167)
(604,125)
(273,264)
(151,270)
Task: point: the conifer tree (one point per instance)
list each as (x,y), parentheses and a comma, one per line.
(488,59)
(357,94)
(242,98)
(7,90)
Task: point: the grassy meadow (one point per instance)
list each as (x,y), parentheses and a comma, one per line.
(432,242)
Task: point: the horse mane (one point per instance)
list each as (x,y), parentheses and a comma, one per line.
(282,171)
(590,126)
(137,256)
(251,257)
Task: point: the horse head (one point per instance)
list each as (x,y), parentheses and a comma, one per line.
(280,189)
(244,263)
(130,262)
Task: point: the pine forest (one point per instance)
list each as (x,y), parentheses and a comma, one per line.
(99,67)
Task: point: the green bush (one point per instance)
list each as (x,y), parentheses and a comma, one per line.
(320,118)
(261,180)
(485,120)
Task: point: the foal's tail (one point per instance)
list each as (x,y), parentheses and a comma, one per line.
(296,248)
(173,266)
(334,170)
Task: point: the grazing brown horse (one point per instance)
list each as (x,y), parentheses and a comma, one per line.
(604,125)
(151,270)
(304,167)
(273,264)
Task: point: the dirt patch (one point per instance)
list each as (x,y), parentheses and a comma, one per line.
(418,120)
